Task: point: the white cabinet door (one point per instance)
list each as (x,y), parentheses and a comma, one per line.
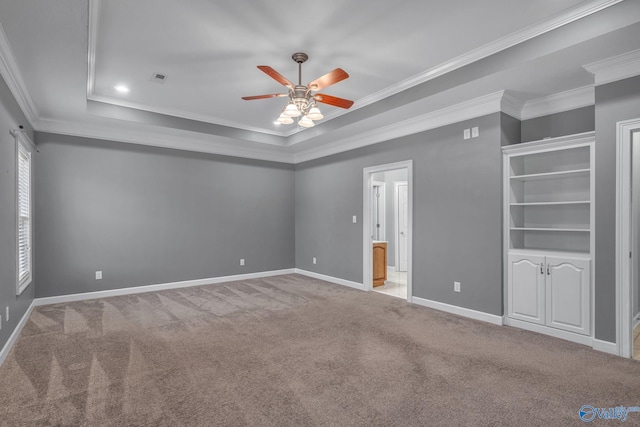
(568,294)
(526,290)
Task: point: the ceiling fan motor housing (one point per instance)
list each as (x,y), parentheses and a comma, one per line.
(300,96)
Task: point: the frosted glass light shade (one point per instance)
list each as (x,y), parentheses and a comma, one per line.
(285,120)
(291,110)
(315,114)
(306,122)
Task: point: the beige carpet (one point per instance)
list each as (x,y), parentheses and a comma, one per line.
(294,351)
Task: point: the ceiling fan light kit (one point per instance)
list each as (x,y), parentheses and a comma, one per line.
(302,102)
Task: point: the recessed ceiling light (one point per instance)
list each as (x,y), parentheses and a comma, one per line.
(121,88)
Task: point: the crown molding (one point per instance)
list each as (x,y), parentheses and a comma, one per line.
(184,140)
(521,36)
(511,105)
(501,101)
(559,102)
(178,140)
(98,107)
(184,115)
(11,73)
(615,68)
(473,108)
(92,34)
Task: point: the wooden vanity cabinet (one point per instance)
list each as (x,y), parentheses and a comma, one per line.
(379,263)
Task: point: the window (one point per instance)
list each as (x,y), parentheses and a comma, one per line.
(23,183)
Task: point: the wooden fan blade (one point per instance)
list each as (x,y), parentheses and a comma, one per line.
(332,77)
(333,100)
(271,95)
(276,76)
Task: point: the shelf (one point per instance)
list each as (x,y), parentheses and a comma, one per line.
(574,202)
(550,252)
(581,230)
(551,175)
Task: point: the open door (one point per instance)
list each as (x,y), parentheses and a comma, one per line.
(402,224)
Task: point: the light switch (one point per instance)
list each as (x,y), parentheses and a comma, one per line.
(354,219)
(98,275)
(475,132)
(467,133)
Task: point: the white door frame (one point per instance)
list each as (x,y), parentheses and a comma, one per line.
(382,216)
(396,216)
(367,255)
(624,308)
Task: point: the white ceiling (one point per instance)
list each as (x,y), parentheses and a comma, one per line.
(405,59)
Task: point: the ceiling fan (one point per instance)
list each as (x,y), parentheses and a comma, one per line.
(302,102)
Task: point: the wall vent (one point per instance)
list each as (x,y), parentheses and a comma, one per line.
(158,77)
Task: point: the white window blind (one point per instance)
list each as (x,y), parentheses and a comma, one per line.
(24,216)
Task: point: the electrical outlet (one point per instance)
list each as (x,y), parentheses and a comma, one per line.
(241,261)
(475,132)
(314,260)
(6,317)
(467,133)
(456,286)
(98,275)
(355,219)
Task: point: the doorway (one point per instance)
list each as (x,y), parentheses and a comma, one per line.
(628,238)
(388,224)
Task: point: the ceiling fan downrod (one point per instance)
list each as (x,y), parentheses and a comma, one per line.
(300,58)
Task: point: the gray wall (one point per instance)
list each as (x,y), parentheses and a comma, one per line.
(146,215)
(450,241)
(10,118)
(614,102)
(565,123)
(99,205)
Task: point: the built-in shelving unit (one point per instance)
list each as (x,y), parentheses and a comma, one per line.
(549,239)
(548,191)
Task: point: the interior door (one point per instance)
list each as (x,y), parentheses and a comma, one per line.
(402,190)
(526,287)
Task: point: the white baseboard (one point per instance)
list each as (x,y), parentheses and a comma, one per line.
(545,330)
(596,344)
(16,332)
(460,311)
(606,347)
(331,279)
(158,287)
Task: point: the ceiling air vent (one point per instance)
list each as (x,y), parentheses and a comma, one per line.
(158,77)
